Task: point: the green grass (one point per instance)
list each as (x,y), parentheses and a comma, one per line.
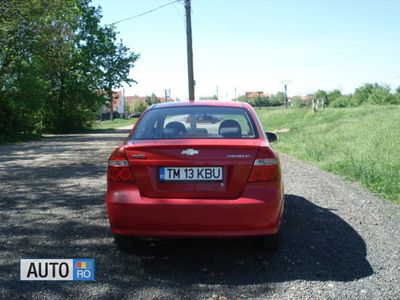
(112,124)
(361,143)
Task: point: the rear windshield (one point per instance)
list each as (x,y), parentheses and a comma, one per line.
(203,122)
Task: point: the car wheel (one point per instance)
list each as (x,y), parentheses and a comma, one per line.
(270,243)
(123,242)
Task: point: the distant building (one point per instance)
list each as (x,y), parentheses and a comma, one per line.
(250,95)
(119,102)
(122,103)
(308,97)
(130,101)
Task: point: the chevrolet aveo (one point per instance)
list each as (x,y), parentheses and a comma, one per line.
(178,175)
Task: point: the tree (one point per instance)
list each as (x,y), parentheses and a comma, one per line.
(322,97)
(114,64)
(381,95)
(362,93)
(256,100)
(140,107)
(243,98)
(150,100)
(374,93)
(55,62)
(333,95)
(74,96)
(397,96)
(342,101)
(103,64)
(30,34)
(298,102)
(265,101)
(278,99)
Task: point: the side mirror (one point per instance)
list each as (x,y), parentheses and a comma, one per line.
(271,137)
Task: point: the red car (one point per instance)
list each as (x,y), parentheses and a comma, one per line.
(173,178)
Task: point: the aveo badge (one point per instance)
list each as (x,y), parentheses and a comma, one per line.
(80,269)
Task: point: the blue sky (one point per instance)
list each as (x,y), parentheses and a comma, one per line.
(252,45)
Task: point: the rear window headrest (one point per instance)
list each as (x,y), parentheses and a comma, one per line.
(230,128)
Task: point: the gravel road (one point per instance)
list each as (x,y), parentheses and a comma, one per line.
(339,241)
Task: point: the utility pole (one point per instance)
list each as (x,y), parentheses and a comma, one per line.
(286,99)
(189,49)
(165,95)
(285,83)
(217,87)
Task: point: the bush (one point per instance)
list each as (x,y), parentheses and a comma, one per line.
(243,98)
(397,98)
(140,107)
(278,99)
(333,96)
(374,93)
(297,102)
(327,97)
(342,101)
(362,93)
(381,95)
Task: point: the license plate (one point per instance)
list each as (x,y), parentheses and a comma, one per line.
(191,174)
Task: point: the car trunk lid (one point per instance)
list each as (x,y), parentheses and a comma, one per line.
(233,157)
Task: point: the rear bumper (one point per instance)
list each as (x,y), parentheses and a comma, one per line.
(257,212)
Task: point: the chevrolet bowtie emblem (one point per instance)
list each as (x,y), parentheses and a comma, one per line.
(190,152)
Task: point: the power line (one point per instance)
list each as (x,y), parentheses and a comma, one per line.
(145,13)
(179,13)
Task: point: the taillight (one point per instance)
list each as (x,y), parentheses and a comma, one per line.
(118,167)
(265,167)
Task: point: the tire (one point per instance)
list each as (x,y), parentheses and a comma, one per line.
(123,242)
(270,243)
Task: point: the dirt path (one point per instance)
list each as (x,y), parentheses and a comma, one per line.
(340,242)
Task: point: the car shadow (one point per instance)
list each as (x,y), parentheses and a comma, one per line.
(317,245)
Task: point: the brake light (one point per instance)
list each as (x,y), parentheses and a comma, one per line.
(266,166)
(118,167)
